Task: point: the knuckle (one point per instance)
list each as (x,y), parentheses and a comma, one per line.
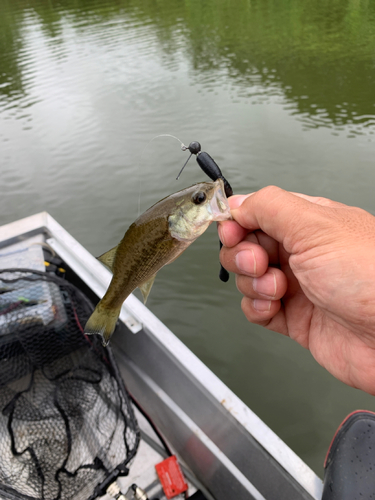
(271,191)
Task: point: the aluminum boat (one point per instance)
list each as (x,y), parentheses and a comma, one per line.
(226,452)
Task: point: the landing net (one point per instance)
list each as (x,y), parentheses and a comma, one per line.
(66,422)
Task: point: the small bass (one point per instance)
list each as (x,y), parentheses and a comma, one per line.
(155,239)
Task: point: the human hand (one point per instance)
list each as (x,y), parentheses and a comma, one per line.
(306,268)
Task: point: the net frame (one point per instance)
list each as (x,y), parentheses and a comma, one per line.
(29,364)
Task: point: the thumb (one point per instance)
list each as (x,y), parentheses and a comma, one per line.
(286,217)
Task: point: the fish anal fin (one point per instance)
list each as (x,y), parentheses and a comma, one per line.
(108,258)
(145,287)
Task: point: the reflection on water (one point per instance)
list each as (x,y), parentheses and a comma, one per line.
(277,92)
(318,55)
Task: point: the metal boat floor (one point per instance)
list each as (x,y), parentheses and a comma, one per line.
(142,469)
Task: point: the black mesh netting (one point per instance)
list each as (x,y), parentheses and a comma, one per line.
(65,419)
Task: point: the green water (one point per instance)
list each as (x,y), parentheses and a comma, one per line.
(277,92)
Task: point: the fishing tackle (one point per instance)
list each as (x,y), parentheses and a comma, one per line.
(210,168)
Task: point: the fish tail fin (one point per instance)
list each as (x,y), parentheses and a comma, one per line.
(102,322)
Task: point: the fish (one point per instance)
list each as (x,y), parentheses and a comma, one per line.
(156,238)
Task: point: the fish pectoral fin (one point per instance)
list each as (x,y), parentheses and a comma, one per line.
(145,288)
(108,258)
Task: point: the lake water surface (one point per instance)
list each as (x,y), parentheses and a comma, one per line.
(277,92)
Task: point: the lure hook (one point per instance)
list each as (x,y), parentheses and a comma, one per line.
(183,166)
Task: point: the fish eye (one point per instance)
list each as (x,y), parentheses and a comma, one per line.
(199,198)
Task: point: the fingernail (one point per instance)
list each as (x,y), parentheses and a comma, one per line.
(266,285)
(262,305)
(237,200)
(245,261)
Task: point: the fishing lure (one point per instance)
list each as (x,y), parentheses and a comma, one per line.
(210,168)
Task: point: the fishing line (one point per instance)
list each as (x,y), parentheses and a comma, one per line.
(183,148)
(139,198)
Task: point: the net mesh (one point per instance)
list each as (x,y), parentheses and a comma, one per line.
(66,422)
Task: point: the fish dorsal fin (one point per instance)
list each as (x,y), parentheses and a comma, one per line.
(108,258)
(145,288)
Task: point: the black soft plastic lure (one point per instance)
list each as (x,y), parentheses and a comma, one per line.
(210,168)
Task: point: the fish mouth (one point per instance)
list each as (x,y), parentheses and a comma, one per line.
(219,203)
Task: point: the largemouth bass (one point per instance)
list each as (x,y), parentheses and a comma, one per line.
(155,239)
